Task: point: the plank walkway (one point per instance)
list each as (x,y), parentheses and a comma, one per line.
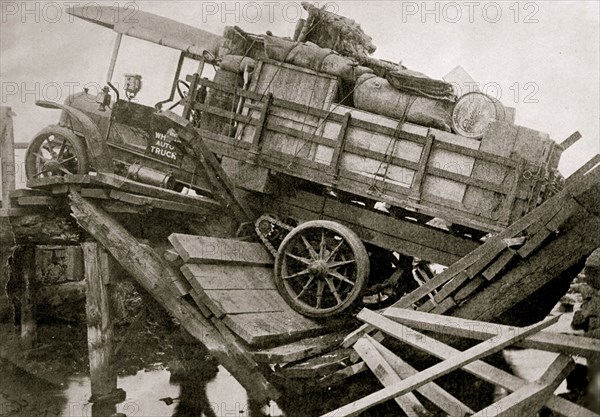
(233,281)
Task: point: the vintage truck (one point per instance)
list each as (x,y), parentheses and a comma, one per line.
(344,188)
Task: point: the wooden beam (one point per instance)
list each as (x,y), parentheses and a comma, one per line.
(149,270)
(486,372)
(473,329)
(7,155)
(296,351)
(26,260)
(100,331)
(570,141)
(527,400)
(595,160)
(433,392)
(388,376)
(458,361)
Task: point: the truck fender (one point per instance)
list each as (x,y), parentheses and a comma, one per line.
(97,147)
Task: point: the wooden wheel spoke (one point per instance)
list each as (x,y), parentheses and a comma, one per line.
(301,293)
(40,156)
(322,246)
(320,289)
(339,276)
(334,251)
(340,263)
(311,250)
(65,171)
(297,274)
(50,149)
(63,146)
(299,258)
(333,290)
(40,173)
(67,160)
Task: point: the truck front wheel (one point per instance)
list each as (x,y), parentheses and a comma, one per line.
(56,151)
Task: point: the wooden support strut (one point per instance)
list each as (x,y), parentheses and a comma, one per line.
(100,331)
(419,177)
(339,148)
(7,155)
(28,322)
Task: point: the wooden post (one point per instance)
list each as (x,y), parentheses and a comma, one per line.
(28,323)
(99,320)
(7,155)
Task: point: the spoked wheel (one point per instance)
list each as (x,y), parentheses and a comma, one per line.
(56,151)
(321,268)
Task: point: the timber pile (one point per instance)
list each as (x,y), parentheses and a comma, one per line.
(400,379)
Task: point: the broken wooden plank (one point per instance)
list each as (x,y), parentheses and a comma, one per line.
(158,203)
(456,326)
(98,193)
(444,306)
(318,366)
(27,192)
(296,351)
(499,264)
(342,374)
(387,376)
(38,201)
(399,332)
(527,400)
(570,141)
(433,392)
(486,257)
(466,291)
(451,286)
(577,175)
(204,249)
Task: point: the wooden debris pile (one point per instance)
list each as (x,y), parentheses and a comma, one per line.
(400,379)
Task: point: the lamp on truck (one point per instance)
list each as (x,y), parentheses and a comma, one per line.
(133,85)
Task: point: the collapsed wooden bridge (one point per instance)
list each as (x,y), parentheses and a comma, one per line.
(260,164)
(222,292)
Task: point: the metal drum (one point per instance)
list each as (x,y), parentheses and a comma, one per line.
(473,112)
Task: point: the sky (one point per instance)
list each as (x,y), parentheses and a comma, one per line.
(540,57)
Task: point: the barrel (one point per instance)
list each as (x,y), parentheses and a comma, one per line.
(473,112)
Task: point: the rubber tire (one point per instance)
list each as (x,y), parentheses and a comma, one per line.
(78,144)
(362,263)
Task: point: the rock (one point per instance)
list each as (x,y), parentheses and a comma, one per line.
(591,308)
(592,269)
(579,321)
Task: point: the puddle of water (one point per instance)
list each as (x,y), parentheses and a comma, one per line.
(24,395)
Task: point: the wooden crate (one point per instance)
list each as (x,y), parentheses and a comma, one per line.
(483,184)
